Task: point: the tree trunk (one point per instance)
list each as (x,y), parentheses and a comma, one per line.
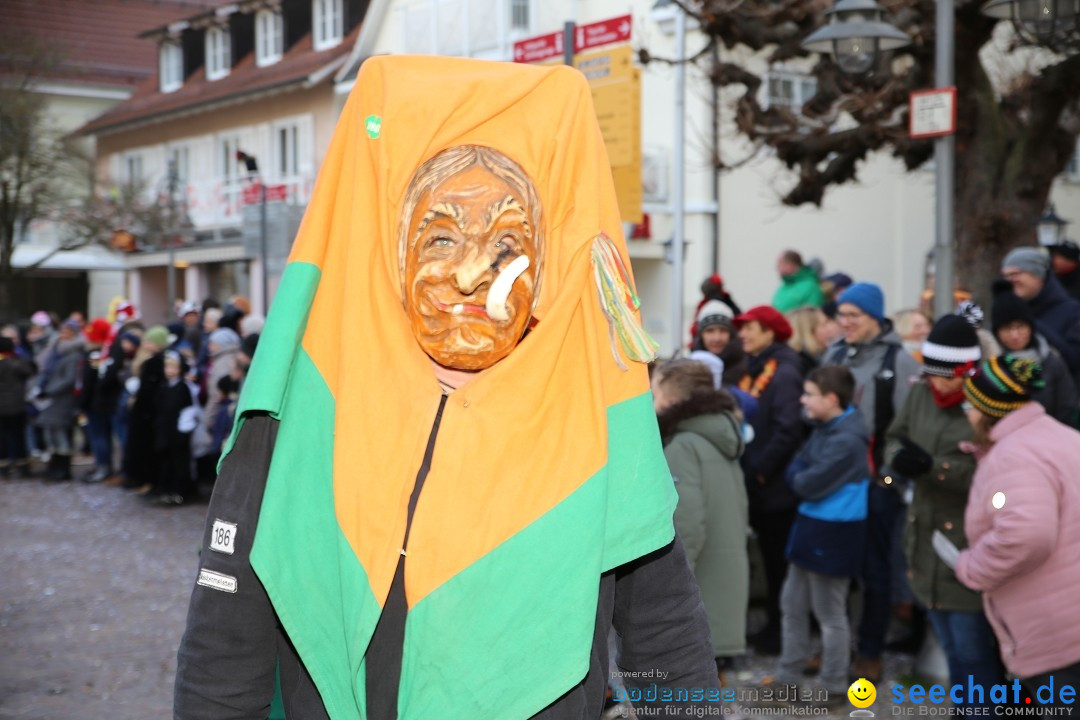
(1007,157)
(7,302)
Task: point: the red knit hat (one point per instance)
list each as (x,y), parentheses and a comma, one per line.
(770,318)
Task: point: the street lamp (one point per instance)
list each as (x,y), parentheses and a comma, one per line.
(1051,227)
(251,165)
(1050,23)
(856,36)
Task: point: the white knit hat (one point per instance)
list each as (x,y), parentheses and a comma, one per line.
(714,312)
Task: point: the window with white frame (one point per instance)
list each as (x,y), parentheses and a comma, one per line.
(519,15)
(228,167)
(287,140)
(133,169)
(218,53)
(1072,170)
(269,37)
(291,149)
(179,158)
(327,23)
(171,66)
(788,89)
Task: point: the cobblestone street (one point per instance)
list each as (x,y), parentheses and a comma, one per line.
(94,594)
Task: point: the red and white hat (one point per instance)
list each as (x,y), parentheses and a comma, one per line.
(952,348)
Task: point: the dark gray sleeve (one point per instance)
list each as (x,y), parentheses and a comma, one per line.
(664,642)
(227,658)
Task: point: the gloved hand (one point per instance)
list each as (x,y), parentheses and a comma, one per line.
(945,549)
(911,460)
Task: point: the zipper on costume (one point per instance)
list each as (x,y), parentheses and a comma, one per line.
(421,476)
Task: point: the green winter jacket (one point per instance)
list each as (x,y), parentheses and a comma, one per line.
(712,518)
(940,497)
(800,289)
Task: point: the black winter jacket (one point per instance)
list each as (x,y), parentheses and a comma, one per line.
(778,431)
(1057,318)
(14,372)
(234,641)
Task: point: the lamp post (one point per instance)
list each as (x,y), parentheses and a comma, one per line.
(251,165)
(1050,227)
(856,36)
(173,179)
(1050,23)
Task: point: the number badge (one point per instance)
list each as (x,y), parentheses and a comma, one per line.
(223,537)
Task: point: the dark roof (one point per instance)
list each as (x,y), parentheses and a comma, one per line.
(245,78)
(98,38)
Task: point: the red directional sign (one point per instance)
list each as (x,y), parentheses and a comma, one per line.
(605,32)
(274,193)
(538,48)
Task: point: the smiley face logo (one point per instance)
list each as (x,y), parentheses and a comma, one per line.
(862,693)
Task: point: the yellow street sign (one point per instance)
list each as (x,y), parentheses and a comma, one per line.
(606,64)
(616,91)
(614,103)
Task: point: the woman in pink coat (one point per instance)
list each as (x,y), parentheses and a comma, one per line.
(1023,526)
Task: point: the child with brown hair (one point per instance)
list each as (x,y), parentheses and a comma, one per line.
(825,548)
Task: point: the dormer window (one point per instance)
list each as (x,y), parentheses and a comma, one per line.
(171,66)
(327,23)
(218,53)
(269,37)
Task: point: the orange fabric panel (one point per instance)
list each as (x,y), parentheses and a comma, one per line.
(523,434)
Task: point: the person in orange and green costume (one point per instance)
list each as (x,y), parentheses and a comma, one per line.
(445,485)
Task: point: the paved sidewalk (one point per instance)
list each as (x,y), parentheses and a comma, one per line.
(93,596)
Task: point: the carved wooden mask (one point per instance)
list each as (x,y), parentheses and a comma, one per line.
(470,246)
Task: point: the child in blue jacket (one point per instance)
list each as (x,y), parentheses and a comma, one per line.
(825,549)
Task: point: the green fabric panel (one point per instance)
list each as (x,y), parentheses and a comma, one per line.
(268,377)
(479,619)
(456,636)
(317,586)
(639,508)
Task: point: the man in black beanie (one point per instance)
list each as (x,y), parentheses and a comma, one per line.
(1065,264)
(1057,315)
(1014,328)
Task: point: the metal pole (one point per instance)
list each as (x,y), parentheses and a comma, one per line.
(170,275)
(716,172)
(262,248)
(677,241)
(568,42)
(945,173)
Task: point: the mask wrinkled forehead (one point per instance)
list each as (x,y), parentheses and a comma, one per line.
(454,161)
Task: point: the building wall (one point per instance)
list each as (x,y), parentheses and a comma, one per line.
(214,201)
(65,111)
(317,100)
(211,186)
(104,286)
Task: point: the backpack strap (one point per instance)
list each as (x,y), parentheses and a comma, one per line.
(884,412)
(837,356)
